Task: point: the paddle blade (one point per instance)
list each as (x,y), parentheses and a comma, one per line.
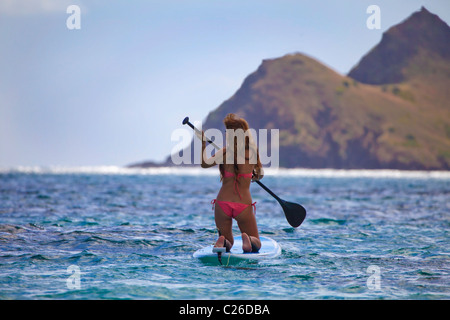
(295,213)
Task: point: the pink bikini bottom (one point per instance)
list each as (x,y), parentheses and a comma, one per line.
(233,209)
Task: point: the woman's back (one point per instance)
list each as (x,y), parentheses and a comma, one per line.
(236,187)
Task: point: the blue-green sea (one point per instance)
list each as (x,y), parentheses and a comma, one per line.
(114,233)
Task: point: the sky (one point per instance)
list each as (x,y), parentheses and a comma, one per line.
(113,91)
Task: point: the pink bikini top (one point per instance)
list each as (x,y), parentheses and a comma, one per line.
(227,174)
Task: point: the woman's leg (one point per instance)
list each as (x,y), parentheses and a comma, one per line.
(224,224)
(250,244)
(247,224)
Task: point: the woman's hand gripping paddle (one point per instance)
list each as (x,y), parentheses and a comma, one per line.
(294,212)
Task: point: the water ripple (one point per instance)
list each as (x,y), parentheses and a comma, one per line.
(132,236)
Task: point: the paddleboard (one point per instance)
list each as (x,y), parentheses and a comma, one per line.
(269,249)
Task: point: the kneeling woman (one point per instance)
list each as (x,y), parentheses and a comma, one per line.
(239,163)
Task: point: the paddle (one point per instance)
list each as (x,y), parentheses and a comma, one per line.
(294,212)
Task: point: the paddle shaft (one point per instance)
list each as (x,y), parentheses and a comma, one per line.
(198,132)
(268,190)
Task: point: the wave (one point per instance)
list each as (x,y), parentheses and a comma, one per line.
(281,172)
(361,173)
(111,170)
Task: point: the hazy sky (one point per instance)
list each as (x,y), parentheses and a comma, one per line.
(112,92)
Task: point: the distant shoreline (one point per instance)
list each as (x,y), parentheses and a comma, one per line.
(197,171)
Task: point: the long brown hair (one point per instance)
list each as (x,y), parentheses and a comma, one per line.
(232,121)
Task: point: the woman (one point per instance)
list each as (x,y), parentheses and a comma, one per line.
(239,163)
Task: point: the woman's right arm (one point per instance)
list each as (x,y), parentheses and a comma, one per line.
(258,173)
(216,158)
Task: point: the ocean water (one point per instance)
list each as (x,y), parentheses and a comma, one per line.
(112,233)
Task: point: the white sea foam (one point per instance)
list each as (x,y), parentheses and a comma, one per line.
(111,170)
(359,173)
(197,171)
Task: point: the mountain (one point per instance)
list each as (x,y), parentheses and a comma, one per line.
(406,50)
(390,111)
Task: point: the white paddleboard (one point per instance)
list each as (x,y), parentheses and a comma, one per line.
(269,249)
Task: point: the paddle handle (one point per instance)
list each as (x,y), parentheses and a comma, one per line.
(198,132)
